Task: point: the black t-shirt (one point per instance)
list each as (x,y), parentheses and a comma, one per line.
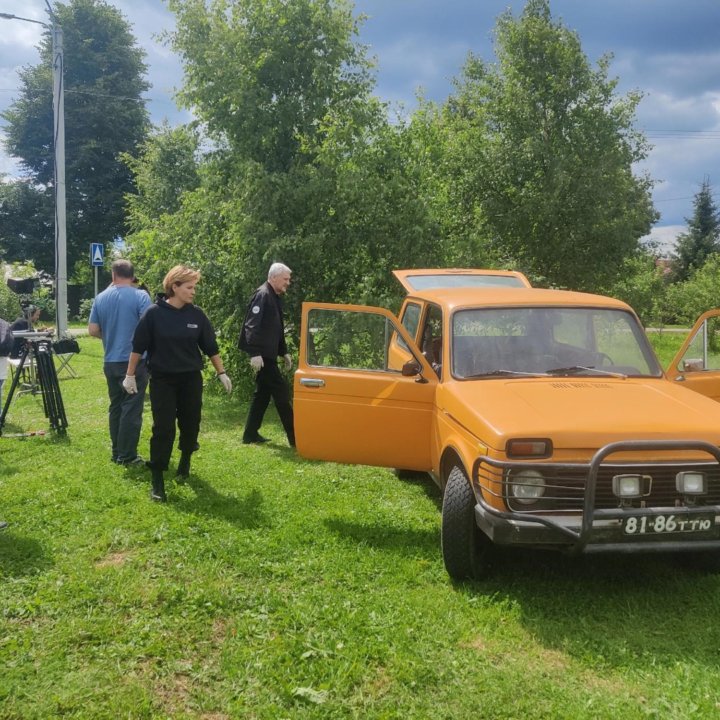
(174,338)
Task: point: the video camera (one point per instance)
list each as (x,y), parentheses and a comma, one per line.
(26,286)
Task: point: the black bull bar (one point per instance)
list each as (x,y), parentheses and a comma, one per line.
(579,541)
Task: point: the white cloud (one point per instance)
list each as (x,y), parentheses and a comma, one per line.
(665,236)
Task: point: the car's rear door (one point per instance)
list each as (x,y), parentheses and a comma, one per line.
(352,403)
(697,364)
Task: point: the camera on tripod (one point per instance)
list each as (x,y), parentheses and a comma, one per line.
(32,355)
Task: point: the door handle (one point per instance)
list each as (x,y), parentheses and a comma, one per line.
(312,382)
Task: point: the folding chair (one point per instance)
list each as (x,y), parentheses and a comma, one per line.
(28,380)
(64,350)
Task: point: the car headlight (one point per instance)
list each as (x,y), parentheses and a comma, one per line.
(527,486)
(627,487)
(691,483)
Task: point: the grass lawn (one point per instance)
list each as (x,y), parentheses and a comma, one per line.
(272,587)
(666,343)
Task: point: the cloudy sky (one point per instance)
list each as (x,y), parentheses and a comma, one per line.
(667,49)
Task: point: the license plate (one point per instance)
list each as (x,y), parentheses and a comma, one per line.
(667,524)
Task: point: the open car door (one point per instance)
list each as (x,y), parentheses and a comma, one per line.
(697,363)
(352,402)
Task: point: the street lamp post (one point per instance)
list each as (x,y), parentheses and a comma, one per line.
(59,146)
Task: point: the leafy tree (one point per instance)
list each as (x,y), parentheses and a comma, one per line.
(543,151)
(165,168)
(9,301)
(27,223)
(264,74)
(104,117)
(302,166)
(703,237)
(642,282)
(687,300)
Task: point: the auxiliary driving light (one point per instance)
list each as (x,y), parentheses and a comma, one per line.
(631,486)
(528,486)
(691,482)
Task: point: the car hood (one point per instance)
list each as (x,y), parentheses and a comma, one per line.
(580,412)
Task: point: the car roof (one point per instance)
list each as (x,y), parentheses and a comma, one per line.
(452,298)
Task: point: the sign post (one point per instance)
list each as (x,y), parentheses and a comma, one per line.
(96,260)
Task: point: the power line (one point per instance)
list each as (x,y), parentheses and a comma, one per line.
(160,99)
(682,134)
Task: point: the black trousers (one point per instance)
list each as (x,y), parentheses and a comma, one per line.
(174,397)
(269,383)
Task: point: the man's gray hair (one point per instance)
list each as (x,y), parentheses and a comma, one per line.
(123,268)
(278,269)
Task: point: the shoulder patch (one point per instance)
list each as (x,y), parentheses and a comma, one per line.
(256,309)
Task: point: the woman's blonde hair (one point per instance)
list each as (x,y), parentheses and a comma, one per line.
(177,276)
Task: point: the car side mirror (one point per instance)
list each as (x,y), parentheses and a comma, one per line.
(693,365)
(411,368)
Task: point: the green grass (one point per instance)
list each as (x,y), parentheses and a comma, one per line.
(272,587)
(666,343)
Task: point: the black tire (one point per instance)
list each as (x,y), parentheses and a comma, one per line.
(466,549)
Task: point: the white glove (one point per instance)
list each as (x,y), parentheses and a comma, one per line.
(130,384)
(226,382)
(288,362)
(256,363)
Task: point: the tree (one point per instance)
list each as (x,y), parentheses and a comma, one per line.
(302,166)
(703,237)
(687,300)
(26,224)
(542,150)
(265,74)
(165,168)
(104,117)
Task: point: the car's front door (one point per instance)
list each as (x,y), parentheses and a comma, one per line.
(352,403)
(697,364)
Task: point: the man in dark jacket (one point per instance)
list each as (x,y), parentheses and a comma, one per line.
(263,339)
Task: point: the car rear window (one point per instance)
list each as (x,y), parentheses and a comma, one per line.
(436,282)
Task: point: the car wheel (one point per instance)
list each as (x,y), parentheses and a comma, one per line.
(465,548)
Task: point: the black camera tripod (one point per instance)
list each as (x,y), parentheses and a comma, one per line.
(40,350)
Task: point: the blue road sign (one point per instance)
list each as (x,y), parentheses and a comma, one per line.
(96,254)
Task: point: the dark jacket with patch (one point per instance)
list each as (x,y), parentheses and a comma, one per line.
(263,331)
(174,339)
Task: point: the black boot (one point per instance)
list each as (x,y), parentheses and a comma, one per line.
(157,494)
(183,468)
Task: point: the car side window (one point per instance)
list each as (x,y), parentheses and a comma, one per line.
(431,342)
(703,352)
(410,320)
(349,339)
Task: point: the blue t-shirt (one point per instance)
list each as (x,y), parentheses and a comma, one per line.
(117,310)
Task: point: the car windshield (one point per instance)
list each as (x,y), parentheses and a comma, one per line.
(557,341)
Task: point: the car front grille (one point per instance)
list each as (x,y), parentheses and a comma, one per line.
(565,486)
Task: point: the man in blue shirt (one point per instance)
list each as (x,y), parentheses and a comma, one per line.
(114,316)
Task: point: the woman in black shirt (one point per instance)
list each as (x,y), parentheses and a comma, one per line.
(174,332)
